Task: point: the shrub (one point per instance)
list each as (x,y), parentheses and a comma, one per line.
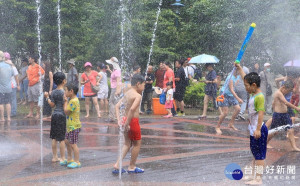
(194,94)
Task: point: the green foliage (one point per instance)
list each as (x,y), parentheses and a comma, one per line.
(91,30)
(194,94)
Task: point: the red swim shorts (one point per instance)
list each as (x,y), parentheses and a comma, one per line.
(135,130)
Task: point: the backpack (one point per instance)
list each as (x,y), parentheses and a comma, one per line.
(197,73)
(162,98)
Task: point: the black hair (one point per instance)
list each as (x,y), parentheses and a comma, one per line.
(101,65)
(208,64)
(137,78)
(136,67)
(253,77)
(170,84)
(72,86)
(288,84)
(58,78)
(181,61)
(34,57)
(167,63)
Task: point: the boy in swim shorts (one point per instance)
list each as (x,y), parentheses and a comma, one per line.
(281,116)
(257,128)
(130,122)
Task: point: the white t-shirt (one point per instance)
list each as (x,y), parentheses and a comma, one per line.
(191,70)
(13,80)
(170,92)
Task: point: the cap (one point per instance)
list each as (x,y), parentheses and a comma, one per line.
(88,64)
(267,64)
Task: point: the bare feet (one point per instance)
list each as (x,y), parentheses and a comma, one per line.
(296,149)
(2,120)
(87,116)
(232,126)
(99,116)
(269,146)
(218,131)
(29,116)
(37,117)
(55,159)
(254,182)
(8,119)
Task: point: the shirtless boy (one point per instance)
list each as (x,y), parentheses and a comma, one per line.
(130,122)
(280,115)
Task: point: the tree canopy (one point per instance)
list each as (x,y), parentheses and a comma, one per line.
(91,30)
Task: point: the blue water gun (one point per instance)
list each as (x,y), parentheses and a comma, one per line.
(238,59)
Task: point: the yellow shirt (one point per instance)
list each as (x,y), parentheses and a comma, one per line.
(73,120)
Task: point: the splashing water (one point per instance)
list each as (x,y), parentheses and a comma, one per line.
(229,25)
(153,35)
(122,9)
(38,6)
(59,34)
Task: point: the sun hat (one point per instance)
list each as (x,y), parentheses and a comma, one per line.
(71,61)
(6,55)
(267,64)
(115,62)
(88,64)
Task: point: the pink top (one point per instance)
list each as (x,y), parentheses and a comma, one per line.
(87,91)
(113,78)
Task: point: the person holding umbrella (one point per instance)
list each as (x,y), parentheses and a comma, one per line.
(210,89)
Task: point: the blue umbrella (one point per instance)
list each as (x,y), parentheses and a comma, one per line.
(204,58)
(293,63)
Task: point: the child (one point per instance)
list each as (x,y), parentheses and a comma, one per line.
(72,110)
(58,118)
(281,116)
(132,134)
(231,99)
(169,99)
(258,130)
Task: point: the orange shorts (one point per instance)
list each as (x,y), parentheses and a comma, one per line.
(135,130)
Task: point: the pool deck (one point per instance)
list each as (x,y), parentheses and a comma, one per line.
(175,151)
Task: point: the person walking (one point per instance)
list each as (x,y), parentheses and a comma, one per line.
(210,90)
(89,79)
(266,87)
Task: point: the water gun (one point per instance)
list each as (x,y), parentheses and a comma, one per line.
(238,59)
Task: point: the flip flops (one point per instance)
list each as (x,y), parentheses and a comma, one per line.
(136,170)
(116,171)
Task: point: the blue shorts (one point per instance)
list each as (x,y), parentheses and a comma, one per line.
(259,146)
(291,112)
(228,101)
(280,119)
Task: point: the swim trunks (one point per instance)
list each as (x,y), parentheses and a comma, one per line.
(259,146)
(280,119)
(135,131)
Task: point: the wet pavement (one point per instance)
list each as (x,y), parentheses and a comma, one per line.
(175,151)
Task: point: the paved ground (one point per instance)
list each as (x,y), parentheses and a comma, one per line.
(176,151)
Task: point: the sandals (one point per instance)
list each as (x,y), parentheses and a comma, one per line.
(136,170)
(116,171)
